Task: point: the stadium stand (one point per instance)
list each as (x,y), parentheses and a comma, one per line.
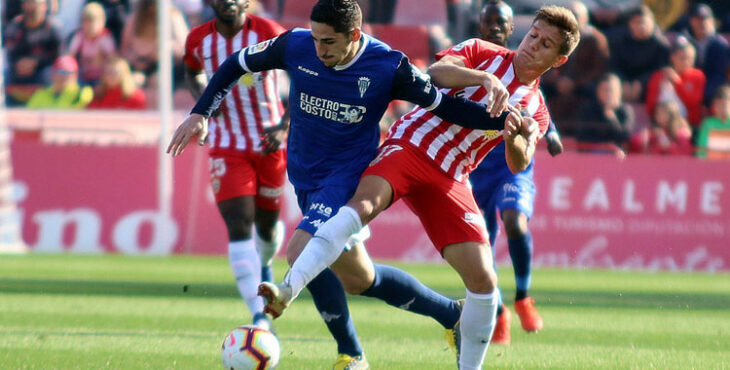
(411,40)
(420,12)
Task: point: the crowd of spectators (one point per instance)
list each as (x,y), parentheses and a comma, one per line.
(645,78)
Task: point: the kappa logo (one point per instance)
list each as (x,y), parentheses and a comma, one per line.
(316,223)
(408,304)
(307,70)
(363,83)
(328,317)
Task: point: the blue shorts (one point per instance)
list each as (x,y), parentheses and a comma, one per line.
(509,191)
(318,205)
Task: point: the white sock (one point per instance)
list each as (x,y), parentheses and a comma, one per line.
(478,319)
(323,249)
(246,267)
(267,250)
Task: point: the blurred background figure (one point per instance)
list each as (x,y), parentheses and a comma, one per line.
(719,120)
(32,42)
(669,132)
(139,42)
(117,88)
(117,14)
(607,122)
(713,52)
(680,83)
(92,45)
(64,92)
(637,51)
(574,83)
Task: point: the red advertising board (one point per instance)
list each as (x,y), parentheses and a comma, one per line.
(77,193)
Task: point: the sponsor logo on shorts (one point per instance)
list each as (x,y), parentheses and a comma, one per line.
(322,209)
(474,218)
(384,152)
(268,192)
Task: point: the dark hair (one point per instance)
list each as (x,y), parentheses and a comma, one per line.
(565,21)
(640,11)
(342,15)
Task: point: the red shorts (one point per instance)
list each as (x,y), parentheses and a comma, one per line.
(446,207)
(236,174)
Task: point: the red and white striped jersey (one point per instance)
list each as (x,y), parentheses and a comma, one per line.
(254,103)
(457,150)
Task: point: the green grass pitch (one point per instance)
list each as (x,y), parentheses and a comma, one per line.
(120,312)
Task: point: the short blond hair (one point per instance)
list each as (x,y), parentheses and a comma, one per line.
(564,20)
(95,11)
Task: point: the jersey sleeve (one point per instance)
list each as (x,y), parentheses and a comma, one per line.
(472,52)
(192,42)
(265,55)
(410,84)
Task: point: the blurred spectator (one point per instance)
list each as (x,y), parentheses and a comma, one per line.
(669,133)
(140,46)
(381,11)
(32,42)
(712,49)
(93,44)
(117,14)
(117,88)
(719,120)
(607,122)
(64,92)
(637,51)
(680,83)
(193,10)
(69,17)
(575,82)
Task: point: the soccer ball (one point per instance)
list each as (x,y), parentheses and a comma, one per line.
(250,347)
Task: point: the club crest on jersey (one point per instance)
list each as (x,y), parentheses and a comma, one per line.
(491,134)
(363,83)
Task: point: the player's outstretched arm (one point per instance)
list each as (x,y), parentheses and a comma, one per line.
(410,84)
(451,72)
(194,125)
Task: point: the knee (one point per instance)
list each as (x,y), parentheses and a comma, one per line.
(239,228)
(355,284)
(515,224)
(483,282)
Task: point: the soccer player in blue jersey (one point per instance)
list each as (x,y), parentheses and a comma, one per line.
(341,83)
(497,189)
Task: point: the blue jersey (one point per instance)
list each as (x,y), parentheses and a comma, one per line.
(335,112)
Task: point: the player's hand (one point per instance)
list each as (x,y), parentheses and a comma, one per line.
(195,124)
(512,123)
(497,95)
(554,145)
(272,138)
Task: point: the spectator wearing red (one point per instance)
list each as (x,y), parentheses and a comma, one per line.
(669,133)
(680,82)
(92,45)
(118,89)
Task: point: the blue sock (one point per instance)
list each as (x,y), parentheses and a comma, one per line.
(329,298)
(520,250)
(267,273)
(400,289)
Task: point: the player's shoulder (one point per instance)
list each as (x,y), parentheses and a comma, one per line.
(198,32)
(263,25)
(381,50)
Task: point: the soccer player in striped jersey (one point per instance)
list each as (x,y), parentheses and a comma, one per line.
(496,188)
(426,161)
(341,83)
(247,174)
